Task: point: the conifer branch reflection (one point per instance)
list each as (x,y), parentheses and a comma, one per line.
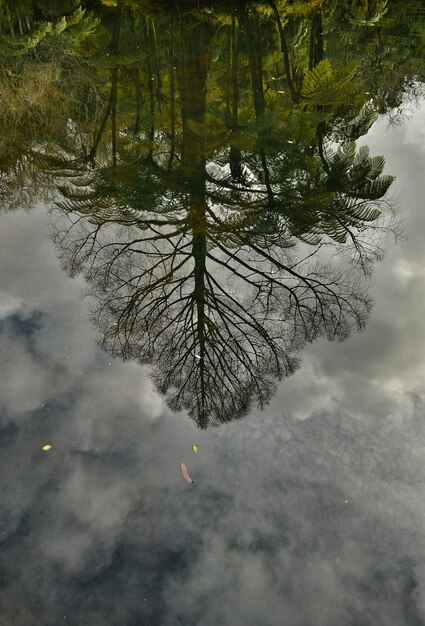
(221,222)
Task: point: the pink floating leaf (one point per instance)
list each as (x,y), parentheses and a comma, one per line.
(186,473)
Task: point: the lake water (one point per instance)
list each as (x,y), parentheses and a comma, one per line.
(211,234)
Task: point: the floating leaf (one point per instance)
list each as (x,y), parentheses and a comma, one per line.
(186,473)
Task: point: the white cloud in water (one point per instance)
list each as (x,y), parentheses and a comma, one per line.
(311,513)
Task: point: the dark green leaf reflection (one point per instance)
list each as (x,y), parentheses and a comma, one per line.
(207,179)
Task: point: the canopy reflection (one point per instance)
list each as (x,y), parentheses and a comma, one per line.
(212,191)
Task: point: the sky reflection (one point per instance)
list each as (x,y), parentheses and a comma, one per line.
(310,512)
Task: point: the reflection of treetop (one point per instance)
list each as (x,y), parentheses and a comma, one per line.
(209,171)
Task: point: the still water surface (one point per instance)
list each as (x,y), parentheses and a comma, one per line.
(195,202)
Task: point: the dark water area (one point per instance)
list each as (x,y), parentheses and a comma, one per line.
(211,254)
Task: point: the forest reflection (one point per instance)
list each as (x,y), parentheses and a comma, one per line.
(210,186)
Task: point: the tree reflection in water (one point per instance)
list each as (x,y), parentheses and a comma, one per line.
(216,201)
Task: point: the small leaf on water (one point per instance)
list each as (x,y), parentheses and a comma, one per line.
(47,447)
(195,448)
(185,473)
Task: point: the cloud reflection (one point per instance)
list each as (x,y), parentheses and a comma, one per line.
(309,513)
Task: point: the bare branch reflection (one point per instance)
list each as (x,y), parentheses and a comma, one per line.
(222,213)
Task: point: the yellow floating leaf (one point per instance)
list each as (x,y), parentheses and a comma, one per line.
(47,447)
(195,448)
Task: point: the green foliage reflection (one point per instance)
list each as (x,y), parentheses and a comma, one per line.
(211,188)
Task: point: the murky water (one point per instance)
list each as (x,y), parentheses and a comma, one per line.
(202,206)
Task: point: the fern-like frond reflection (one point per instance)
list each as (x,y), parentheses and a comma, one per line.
(207,179)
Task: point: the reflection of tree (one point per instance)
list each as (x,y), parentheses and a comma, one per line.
(219,313)
(38,60)
(218,280)
(205,206)
(366,13)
